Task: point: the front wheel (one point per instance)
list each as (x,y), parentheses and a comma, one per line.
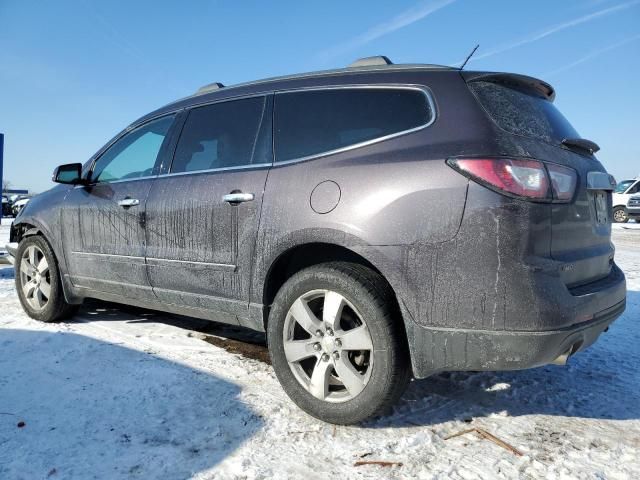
(38,281)
(337,344)
(620,215)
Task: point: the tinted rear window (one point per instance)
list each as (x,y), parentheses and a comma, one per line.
(319,121)
(523,114)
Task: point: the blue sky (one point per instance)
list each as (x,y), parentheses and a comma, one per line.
(73,73)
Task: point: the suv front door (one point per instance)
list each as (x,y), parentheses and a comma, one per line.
(203,213)
(104,236)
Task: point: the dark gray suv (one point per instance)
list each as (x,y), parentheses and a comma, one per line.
(379,222)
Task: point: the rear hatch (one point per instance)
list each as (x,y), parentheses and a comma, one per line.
(523,109)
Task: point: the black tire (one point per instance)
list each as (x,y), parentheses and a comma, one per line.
(370,295)
(620,215)
(56,307)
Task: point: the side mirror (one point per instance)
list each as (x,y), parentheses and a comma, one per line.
(71,174)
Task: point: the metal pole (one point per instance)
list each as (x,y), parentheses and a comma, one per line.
(1,167)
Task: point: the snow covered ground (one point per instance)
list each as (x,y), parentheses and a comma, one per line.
(125,393)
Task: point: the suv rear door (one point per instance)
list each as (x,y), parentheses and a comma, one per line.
(103,236)
(203,213)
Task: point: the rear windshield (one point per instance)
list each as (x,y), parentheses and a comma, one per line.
(523,114)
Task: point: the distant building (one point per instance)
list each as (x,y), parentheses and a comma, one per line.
(15,191)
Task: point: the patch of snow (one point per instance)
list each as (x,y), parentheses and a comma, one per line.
(124,393)
(498,386)
(626,226)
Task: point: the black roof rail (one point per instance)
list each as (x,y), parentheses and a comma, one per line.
(210,87)
(371,61)
(368,64)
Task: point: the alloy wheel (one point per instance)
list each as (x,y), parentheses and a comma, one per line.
(35,278)
(620,215)
(328,346)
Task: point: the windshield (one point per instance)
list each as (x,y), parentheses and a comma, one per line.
(623,185)
(523,114)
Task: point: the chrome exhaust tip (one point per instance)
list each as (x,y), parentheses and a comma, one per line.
(562,358)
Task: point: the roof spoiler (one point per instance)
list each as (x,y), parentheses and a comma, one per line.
(530,85)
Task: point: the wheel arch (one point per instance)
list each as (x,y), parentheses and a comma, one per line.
(304,255)
(30,227)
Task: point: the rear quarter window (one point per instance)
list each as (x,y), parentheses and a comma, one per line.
(522,113)
(313,122)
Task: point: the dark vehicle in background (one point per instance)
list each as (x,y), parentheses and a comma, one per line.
(18,204)
(12,202)
(6,207)
(379,222)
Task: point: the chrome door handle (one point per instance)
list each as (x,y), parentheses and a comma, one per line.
(235,198)
(129,202)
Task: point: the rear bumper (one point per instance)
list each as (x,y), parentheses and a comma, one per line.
(438,349)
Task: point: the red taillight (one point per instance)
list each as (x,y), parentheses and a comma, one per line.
(520,177)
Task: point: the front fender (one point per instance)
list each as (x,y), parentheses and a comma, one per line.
(42,216)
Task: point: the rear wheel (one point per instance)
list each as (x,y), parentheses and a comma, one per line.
(620,215)
(38,281)
(336,343)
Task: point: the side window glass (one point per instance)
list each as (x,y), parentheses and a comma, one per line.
(135,154)
(221,135)
(319,121)
(622,186)
(635,188)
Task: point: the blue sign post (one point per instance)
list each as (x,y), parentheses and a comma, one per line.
(1,168)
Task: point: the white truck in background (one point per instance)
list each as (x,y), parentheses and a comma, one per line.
(625,189)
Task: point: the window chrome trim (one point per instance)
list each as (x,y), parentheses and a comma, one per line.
(426,91)
(213,101)
(372,86)
(256,166)
(123,258)
(168,263)
(146,177)
(154,261)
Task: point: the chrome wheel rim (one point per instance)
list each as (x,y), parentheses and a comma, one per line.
(35,278)
(328,346)
(619,215)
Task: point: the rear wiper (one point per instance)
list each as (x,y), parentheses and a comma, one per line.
(582,143)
